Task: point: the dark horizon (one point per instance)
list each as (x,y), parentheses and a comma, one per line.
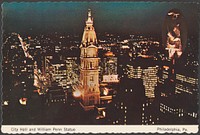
(112,17)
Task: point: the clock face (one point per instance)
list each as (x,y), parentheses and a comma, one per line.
(174,33)
(91,84)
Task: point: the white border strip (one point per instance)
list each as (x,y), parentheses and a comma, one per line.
(13,129)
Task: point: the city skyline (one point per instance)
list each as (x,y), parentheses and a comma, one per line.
(117,17)
(97,66)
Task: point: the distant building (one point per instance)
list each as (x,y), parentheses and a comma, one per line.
(19,69)
(130,96)
(109,68)
(64,72)
(148,74)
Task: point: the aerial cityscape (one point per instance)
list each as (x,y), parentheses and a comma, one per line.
(116,63)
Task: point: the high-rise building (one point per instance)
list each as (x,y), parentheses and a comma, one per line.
(62,71)
(128,103)
(148,74)
(89,71)
(186,84)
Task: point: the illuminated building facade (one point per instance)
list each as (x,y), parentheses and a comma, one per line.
(89,72)
(55,70)
(72,71)
(150,80)
(109,66)
(186,84)
(59,73)
(62,75)
(62,71)
(148,76)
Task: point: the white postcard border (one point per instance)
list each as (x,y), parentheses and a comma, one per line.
(18,129)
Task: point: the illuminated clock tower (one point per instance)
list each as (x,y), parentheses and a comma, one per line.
(89,71)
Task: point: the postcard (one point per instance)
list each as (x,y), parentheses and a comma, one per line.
(100,67)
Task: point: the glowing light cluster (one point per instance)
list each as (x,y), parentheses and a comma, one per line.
(77,93)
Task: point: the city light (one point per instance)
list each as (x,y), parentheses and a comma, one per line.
(23,101)
(77,94)
(5,103)
(105,91)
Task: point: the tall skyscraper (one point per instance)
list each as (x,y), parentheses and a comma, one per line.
(89,71)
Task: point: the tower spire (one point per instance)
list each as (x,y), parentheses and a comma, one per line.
(89,34)
(89,12)
(89,19)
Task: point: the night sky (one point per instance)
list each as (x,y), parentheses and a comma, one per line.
(112,17)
